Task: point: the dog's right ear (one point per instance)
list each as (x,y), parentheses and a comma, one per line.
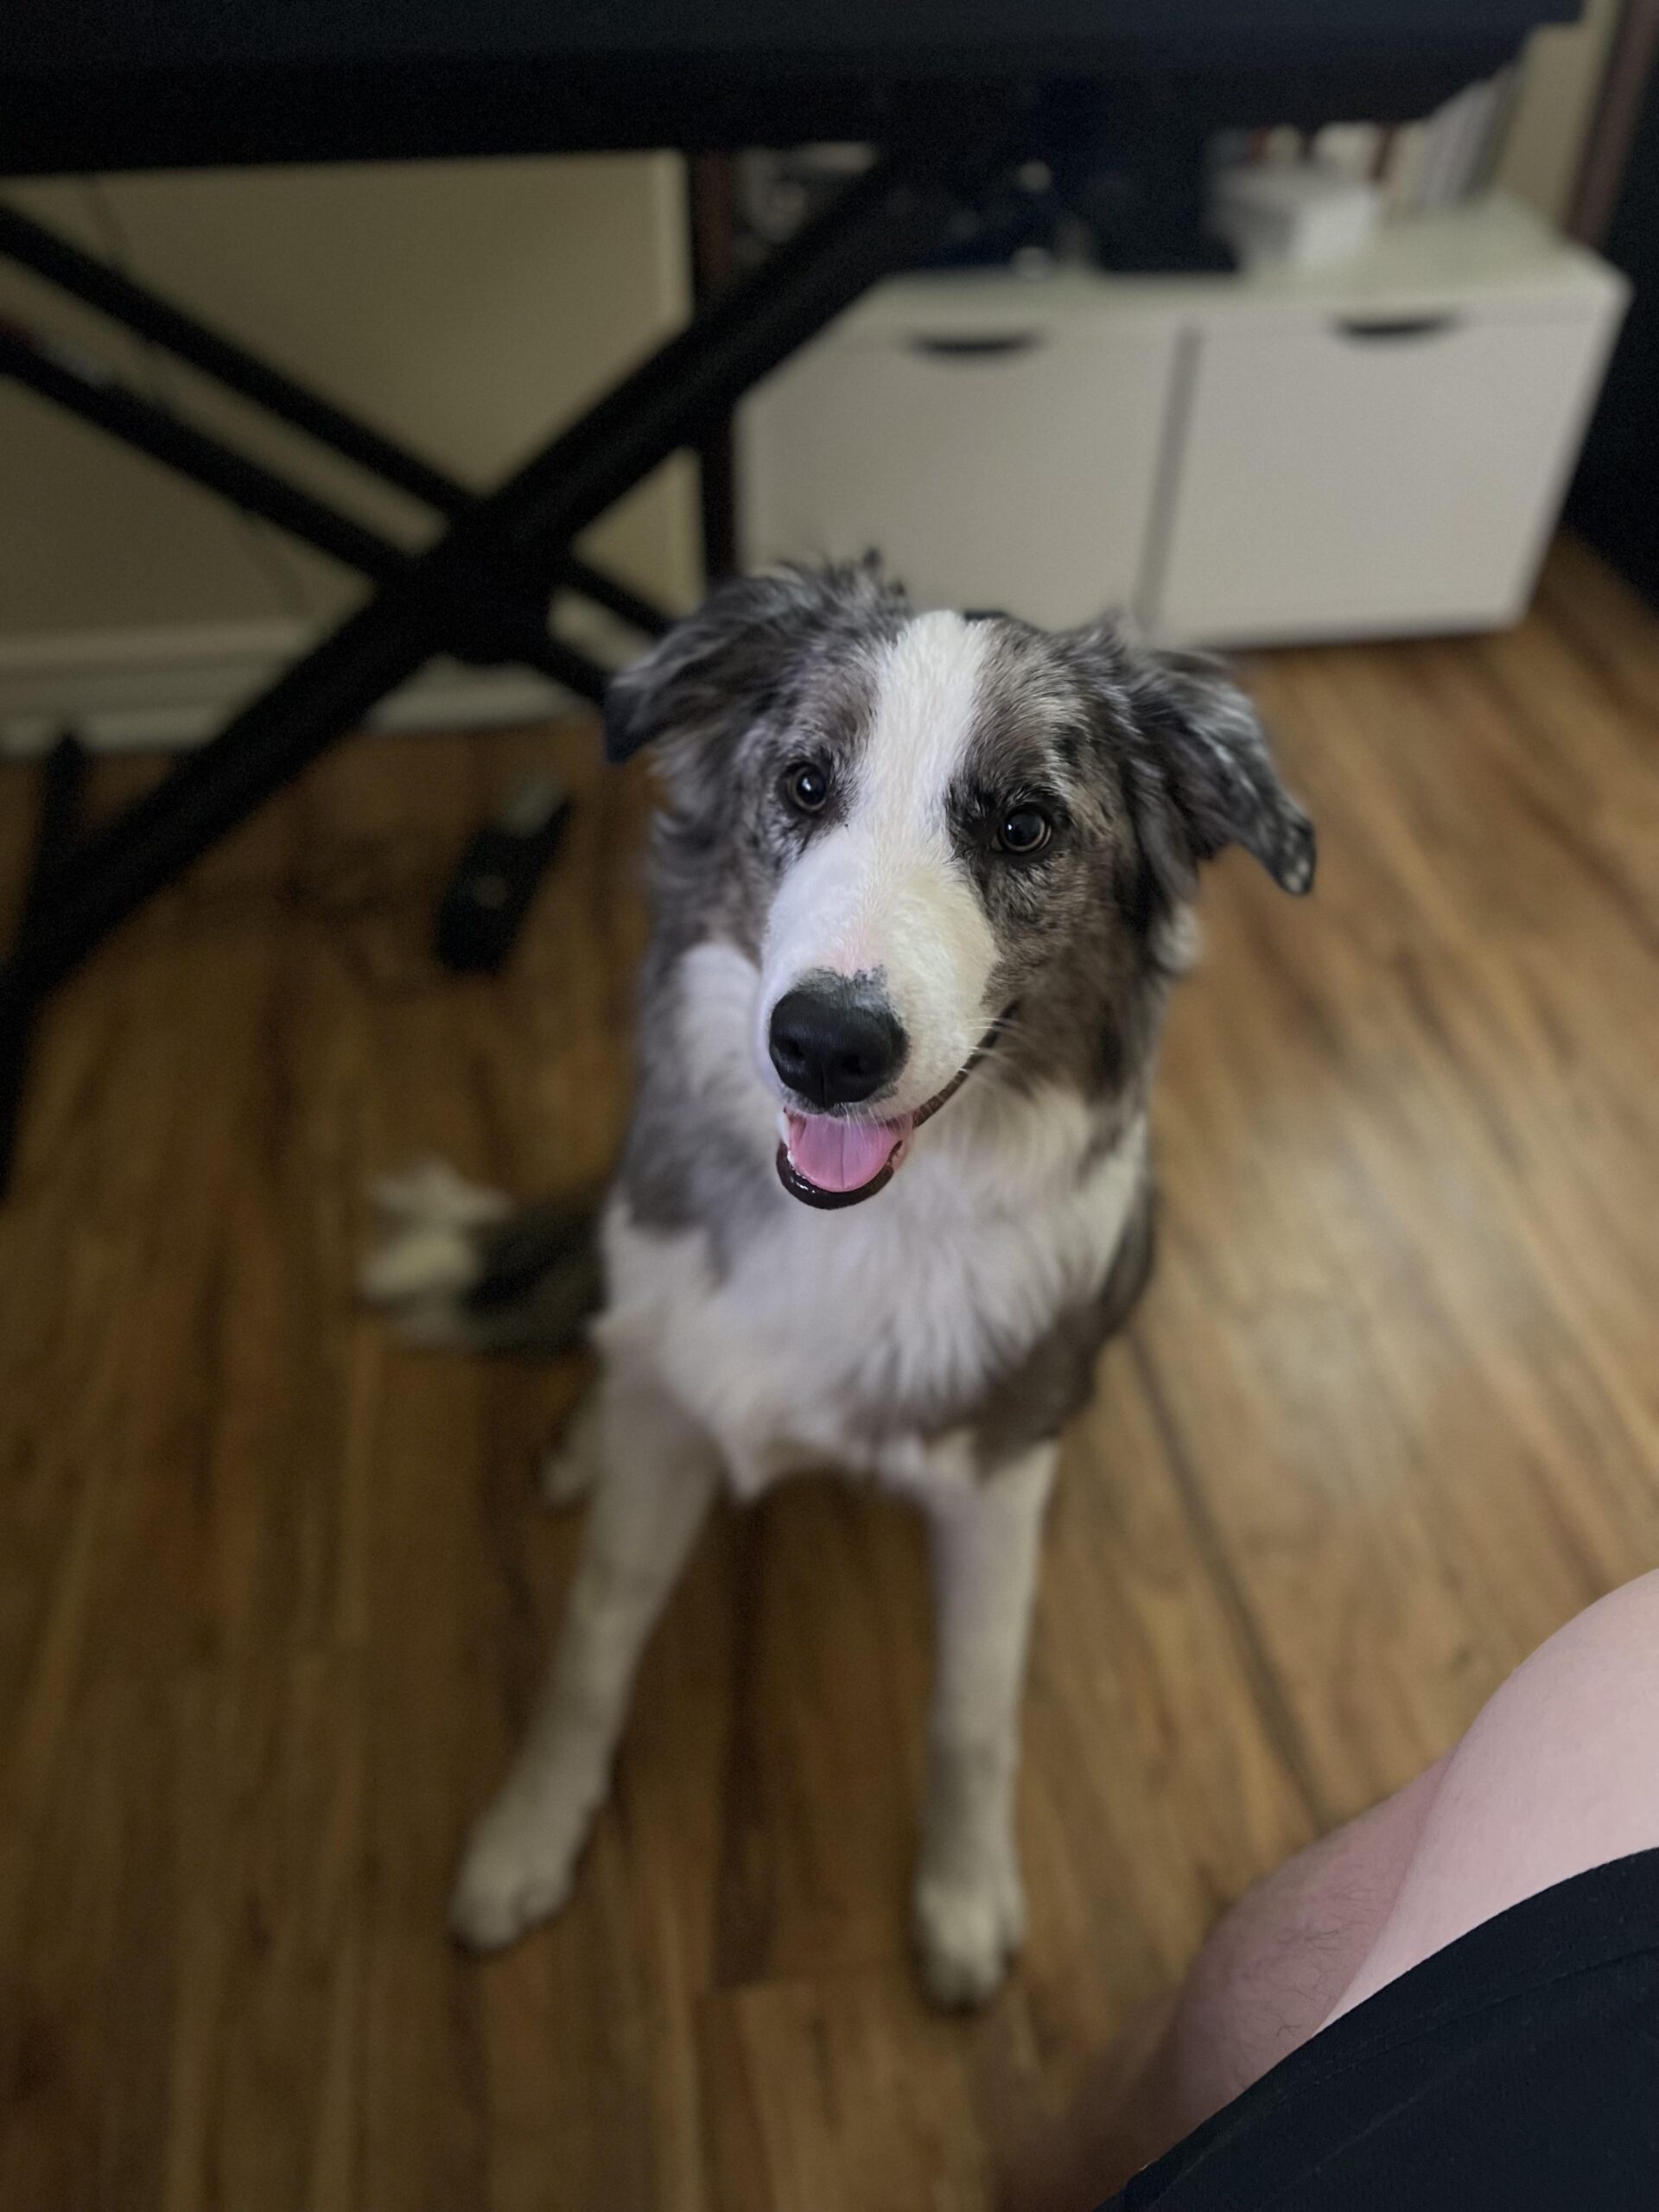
(718,668)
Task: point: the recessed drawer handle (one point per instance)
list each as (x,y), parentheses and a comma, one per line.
(984,346)
(1396,328)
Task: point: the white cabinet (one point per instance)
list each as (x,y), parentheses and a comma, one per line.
(997,438)
(1383,447)
(1336,452)
(1358,475)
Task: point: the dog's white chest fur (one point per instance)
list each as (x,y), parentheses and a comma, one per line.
(825,1334)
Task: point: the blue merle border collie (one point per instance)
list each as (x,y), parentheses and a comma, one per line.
(921,884)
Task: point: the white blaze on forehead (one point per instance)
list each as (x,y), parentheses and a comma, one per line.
(927,691)
(883,891)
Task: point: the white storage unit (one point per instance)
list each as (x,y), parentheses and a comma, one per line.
(1383,447)
(1380,448)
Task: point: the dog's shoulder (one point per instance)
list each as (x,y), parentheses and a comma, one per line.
(1042,1391)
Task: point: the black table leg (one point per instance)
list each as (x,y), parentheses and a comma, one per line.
(62,775)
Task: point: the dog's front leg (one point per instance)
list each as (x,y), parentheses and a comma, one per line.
(659,1475)
(986,1538)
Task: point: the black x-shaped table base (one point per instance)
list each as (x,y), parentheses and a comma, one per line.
(482,591)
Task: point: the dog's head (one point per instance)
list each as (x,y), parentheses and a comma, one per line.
(916,824)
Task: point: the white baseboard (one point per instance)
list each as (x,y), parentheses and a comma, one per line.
(132,690)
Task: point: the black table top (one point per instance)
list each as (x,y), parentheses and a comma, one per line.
(115,84)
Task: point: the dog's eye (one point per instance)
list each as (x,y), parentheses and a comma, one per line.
(806,788)
(1024,831)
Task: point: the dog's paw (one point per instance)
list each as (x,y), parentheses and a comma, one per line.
(427,1253)
(515,1871)
(572,1468)
(415,1265)
(968,1930)
(431,1194)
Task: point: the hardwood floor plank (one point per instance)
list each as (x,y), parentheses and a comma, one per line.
(840,2090)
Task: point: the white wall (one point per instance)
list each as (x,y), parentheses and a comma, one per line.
(466,307)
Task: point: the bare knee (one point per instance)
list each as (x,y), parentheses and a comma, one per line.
(1272,1968)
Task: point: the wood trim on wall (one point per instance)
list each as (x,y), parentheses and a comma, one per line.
(174,686)
(1618,111)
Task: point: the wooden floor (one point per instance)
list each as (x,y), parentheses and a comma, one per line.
(272,1592)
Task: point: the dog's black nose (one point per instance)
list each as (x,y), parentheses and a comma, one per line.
(835,1043)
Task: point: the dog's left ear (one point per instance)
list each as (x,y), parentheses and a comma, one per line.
(1200,772)
(704,671)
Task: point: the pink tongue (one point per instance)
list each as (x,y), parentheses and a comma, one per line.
(842,1155)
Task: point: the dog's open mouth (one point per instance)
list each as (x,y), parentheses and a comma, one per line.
(827,1163)
(830,1163)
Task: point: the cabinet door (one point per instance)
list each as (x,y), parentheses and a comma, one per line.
(1350,477)
(995,466)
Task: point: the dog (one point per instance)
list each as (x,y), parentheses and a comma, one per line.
(921,884)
